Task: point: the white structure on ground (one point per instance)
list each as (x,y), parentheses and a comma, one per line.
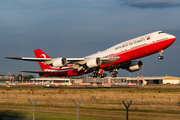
(52,81)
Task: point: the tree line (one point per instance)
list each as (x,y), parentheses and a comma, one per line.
(19,76)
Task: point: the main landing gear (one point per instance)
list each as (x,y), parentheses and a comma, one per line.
(160,55)
(115,72)
(103,75)
(97,74)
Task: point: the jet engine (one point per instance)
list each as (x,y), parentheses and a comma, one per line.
(59,62)
(135,66)
(94,62)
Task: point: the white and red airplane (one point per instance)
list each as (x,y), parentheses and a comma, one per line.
(112,59)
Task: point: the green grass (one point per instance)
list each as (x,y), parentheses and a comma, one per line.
(97,104)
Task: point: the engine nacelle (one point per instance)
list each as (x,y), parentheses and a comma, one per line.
(94,62)
(59,62)
(135,66)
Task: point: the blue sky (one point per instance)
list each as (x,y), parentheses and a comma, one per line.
(68,28)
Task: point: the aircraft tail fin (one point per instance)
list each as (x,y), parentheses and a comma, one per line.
(40,54)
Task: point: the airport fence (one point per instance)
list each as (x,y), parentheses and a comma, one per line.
(99,104)
(77,105)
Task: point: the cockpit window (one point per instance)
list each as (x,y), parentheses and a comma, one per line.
(160,32)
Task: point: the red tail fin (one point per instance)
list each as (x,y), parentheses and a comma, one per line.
(40,54)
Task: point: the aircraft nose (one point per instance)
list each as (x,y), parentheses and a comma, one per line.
(172,38)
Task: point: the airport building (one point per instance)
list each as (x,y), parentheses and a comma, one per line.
(52,81)
(134,80)
(91,81)
(6,79)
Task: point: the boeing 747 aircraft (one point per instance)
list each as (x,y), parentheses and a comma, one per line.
(122,55)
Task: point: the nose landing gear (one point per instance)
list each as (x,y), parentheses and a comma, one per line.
(160,55)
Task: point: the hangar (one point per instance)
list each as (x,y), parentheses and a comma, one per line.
(171,80)
(155,80)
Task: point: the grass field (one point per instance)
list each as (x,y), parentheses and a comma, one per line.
(151,103)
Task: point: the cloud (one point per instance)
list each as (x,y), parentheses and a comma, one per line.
(152,3)
(173,30)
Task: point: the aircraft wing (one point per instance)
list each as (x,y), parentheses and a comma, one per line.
(82,62)
(44,59)
(29,71)
(69,60)
(30,59)
(78,63)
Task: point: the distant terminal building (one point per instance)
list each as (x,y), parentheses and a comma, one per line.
(134,80)
(6,79)
(52,81)
(93,81)
(105,81)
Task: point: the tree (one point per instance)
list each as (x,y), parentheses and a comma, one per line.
(19,76)
(13,75)
(28,77)
(25,77)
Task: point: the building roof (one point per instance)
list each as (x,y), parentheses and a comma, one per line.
(171,78)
